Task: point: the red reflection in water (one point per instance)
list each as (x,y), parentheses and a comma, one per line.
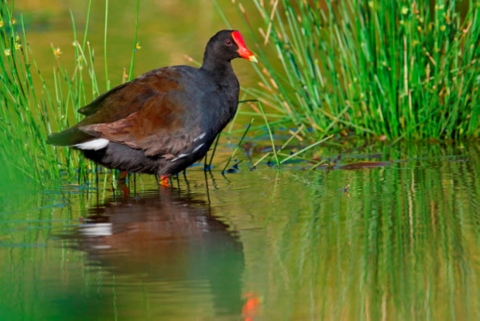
(251,306)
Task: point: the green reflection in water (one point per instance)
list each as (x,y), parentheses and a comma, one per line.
(401,242)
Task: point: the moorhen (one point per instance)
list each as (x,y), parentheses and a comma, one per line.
(164,120)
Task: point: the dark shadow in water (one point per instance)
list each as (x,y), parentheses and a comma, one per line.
(168,236)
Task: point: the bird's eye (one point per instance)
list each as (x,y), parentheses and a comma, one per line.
(228,42)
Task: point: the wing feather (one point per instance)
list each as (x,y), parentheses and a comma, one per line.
(156,119)
(159,112)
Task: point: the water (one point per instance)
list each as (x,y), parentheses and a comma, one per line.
(394,242)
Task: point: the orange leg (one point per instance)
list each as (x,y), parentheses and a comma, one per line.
(122,183)
(123,176)
(164,181)
(126,190)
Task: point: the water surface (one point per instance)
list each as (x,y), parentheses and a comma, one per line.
(396,239)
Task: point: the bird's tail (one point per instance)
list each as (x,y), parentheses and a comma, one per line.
(69,137)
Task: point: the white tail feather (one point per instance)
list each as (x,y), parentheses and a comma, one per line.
(95,144)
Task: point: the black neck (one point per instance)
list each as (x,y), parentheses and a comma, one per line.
(219,68)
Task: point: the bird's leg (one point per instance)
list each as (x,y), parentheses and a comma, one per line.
(123,176)
(126,191)
(122,182)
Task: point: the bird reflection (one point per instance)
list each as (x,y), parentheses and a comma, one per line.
(169,236)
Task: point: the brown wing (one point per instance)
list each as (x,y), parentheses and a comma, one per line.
(128,98)
(97,104)
(158,113)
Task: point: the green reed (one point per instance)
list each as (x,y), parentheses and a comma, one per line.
(377,68)
(28,115)
(22,114)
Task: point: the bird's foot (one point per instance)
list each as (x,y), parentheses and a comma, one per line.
(164,181)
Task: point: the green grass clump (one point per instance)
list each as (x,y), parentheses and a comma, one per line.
(28,115)
(22,115)
(390,69)
(31,108)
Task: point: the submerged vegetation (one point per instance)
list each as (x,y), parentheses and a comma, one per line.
(390,69)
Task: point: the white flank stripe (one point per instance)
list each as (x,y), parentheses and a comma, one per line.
(95,144)
(199,137)
(179,156)
(197,148)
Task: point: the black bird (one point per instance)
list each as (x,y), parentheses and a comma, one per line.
(164,120)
